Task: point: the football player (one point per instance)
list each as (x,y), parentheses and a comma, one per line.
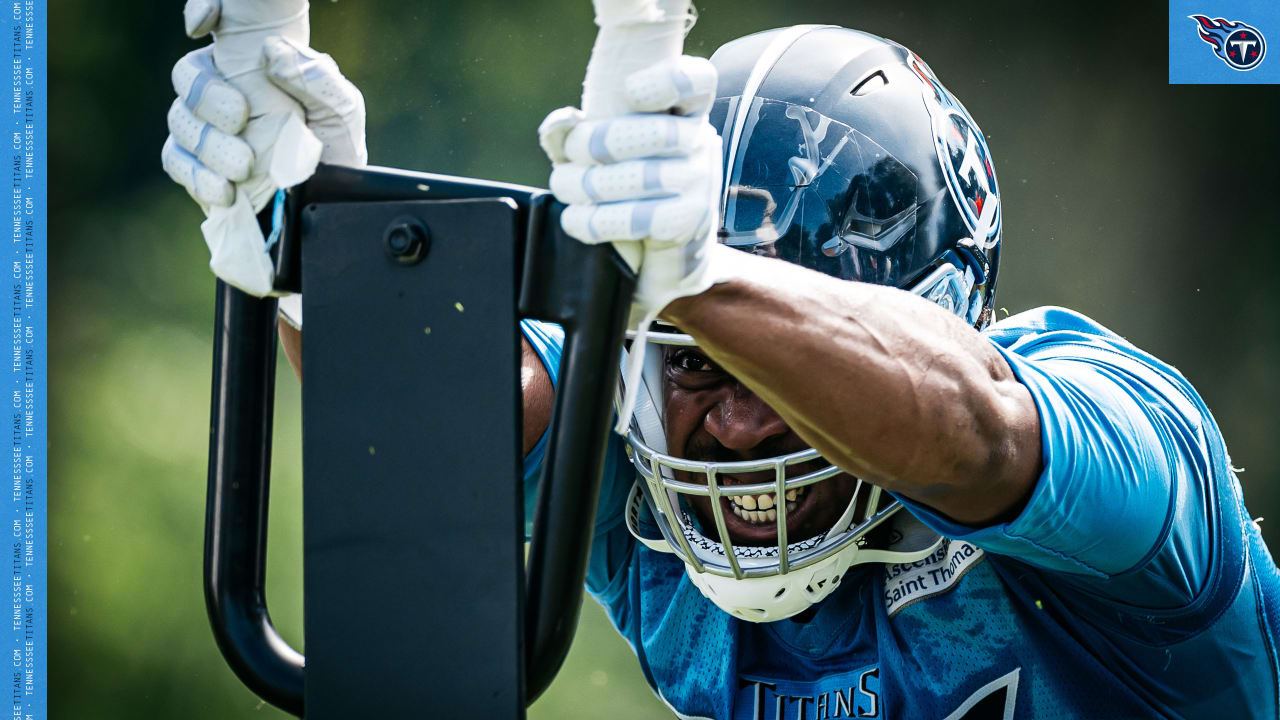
(844,491)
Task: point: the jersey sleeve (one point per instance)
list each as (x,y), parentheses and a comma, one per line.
(1127,500)
(611,544)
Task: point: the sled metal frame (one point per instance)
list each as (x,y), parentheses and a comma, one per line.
(417,598)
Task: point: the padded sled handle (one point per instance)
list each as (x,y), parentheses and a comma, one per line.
(586,289)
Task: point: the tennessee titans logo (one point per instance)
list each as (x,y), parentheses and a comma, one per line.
(1238,45)
(964,157)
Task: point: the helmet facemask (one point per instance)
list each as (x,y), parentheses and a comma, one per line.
(693,499)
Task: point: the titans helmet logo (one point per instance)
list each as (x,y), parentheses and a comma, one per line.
(1238,45)
(964,157)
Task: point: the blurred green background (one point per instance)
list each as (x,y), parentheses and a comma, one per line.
(1150,207)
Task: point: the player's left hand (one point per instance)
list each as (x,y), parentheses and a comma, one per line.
(256,111)
(210,152)
(648,181)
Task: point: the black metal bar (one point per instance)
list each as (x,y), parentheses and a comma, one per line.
(244,359)
(588,290)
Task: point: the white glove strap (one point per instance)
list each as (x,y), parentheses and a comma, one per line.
(237,252)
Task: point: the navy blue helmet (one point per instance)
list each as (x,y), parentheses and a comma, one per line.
(844,154)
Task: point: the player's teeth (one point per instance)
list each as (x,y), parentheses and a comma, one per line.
(767,514)
(755,502)
(791,494)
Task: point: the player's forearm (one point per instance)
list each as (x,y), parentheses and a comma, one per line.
(886,385)
(537,393)
(291,341)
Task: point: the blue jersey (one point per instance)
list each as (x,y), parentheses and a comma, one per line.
(1132,585)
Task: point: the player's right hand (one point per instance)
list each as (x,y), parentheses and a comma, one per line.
(649,177)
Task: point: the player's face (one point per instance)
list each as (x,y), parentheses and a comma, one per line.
(710,416)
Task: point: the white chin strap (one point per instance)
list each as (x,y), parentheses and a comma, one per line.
(632,371)
(646,404)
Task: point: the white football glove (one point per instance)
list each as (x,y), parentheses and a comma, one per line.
(255,112)
(648,181)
